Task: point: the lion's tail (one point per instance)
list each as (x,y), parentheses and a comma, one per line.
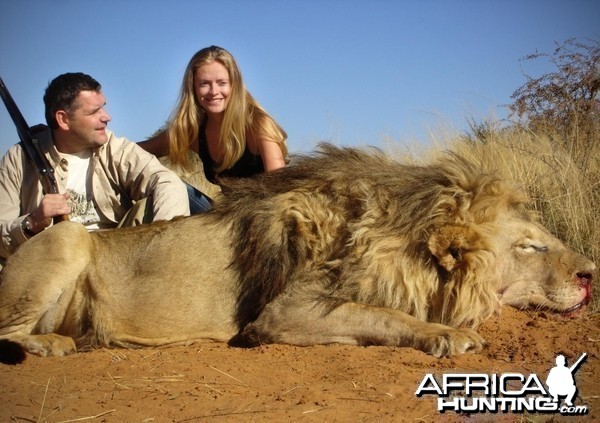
(11,352)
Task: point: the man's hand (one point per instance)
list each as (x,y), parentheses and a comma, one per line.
(50,206)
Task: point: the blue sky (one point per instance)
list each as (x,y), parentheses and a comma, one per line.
(352,72)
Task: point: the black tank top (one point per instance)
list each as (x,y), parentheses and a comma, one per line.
(248,165)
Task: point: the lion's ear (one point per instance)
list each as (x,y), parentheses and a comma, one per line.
(450,243)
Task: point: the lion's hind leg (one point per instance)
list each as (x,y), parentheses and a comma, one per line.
(39,299)
(303,320)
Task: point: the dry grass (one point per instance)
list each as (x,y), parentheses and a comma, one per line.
(565,195)
(564,189)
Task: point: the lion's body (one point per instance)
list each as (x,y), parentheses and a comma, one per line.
(102,283)
(345,247)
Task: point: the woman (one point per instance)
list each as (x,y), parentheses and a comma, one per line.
(219,120)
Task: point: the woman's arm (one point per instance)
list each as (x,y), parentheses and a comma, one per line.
(158,145)
(271,154)
(265,143)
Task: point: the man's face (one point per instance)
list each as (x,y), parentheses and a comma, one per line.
(86,122)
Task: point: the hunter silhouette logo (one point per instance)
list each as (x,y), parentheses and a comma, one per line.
(560,380)
(506,392)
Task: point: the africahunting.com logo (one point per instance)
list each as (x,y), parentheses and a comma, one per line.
(507,392)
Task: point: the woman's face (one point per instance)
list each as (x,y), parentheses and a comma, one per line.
(212,87)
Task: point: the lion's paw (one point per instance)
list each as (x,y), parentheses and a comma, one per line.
(48,345)
(443,341)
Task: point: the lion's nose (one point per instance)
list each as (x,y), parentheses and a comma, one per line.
(586,273)
(584,278)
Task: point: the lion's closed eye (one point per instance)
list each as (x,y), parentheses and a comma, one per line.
(531,247)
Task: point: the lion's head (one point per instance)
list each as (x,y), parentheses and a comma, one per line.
(495,252)
(536,269)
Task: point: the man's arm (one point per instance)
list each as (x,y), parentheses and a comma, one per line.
(13,167)
(169,194)
(143,175)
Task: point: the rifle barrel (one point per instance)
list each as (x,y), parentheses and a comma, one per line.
(579,360)
(45,170)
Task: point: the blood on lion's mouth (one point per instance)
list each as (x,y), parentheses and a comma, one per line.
(576,309)
(585,283)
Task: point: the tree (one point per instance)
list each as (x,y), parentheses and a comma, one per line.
(564,102)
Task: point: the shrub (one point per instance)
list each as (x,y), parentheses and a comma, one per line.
(564,103)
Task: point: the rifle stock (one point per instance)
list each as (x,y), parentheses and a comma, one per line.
(30,146)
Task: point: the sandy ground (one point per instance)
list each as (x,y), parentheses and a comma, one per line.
(333,383)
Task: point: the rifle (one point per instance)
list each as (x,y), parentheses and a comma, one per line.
(30,145)
(578,362)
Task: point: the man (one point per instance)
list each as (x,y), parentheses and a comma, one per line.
(100,176)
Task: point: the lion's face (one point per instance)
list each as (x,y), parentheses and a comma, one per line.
(537,270)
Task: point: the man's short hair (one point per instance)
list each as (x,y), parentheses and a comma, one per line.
(62,92)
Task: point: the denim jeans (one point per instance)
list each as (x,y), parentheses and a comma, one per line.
(199,203)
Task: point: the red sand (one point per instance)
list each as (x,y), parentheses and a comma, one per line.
(214,383)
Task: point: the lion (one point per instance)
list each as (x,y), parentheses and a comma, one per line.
(343,246)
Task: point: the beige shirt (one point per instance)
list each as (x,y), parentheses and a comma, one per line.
(122,173)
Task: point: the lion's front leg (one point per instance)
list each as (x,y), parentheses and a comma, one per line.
(440,340)
(298,321)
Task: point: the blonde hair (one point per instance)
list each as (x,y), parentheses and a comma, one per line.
(243,114)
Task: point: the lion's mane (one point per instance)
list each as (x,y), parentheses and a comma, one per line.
(411,237)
